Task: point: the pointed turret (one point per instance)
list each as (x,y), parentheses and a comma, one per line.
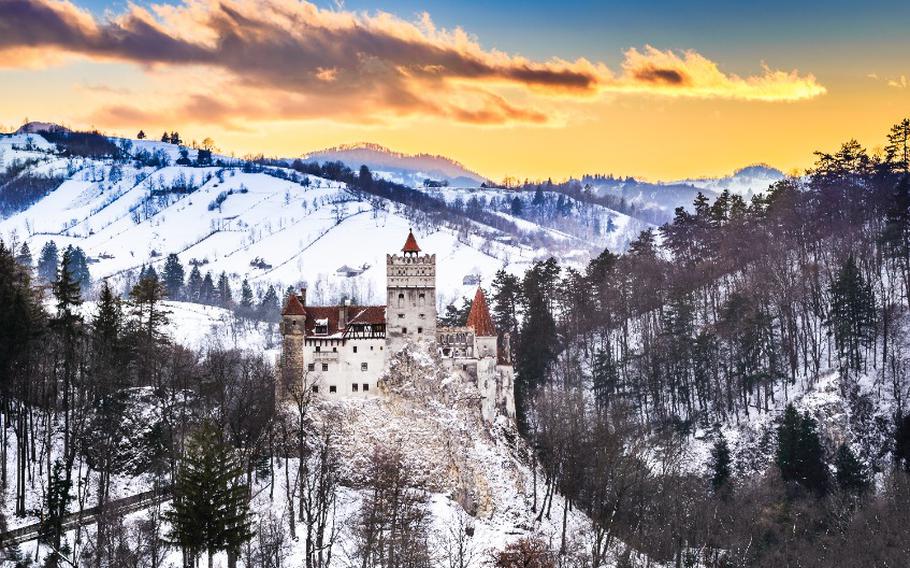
(293,307)
(410,245)
(479,316)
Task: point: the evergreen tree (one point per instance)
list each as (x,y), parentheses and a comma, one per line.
(149,319)
(539,341)
(897,150)
(852,315)
(517,207)
(268,306)
(107,329)
(720,464)
(604,376)
(57,501)
(506,301)
(800,455)
(455,316)
(211,505)
(166,137)
(207,293)
(194,285)
(225,297)
(902,442)
(78,267)
(246,296)
(24,258)
(48,262)
(849,472)
(141,135)
(173,277)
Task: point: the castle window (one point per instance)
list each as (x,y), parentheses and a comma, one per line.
(355,349)
(315,388)
(400,300)
(366,387)
(318,349)
(334,350)
(311,367)
(404,331)
(421,316)
(354,387)
(325,366)
(333,388)
(419,330)
(400,316)
(363,367)
(421,299)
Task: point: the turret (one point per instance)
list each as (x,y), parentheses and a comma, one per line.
(293,332)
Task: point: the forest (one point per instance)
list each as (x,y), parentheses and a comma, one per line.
(718,322)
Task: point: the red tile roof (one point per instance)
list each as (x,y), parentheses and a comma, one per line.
(479,317)
(373,315)
(410,245)
(293,307)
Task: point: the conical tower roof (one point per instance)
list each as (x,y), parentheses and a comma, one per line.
(293,307)
(479,317)
(410,245)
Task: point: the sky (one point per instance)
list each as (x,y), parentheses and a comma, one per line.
(658,90)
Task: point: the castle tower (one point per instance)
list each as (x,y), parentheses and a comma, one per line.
(411,295)
(293,321)
(479,320)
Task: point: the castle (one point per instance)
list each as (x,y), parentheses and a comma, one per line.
(341,351)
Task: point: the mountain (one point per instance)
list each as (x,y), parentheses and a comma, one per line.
(744,181)
(407,169)
(38,127)
(275,225)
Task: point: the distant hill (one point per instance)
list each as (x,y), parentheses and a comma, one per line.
(407,169)
(744,181)
(38,127)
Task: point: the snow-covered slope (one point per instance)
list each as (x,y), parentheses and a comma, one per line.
(275,226)
(407,169)
(744,181)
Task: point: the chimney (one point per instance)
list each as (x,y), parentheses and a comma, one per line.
(343,314)
(303,296)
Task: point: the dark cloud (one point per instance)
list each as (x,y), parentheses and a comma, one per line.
(652,74)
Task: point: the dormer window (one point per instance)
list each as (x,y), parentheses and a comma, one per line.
(321,327)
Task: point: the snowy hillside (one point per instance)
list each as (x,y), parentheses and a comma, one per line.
(746,181)
(272,226)
(407,169)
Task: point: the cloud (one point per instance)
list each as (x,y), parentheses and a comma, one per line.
(293,59)
(900,83)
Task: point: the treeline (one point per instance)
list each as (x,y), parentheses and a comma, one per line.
(727,312)
(87,397)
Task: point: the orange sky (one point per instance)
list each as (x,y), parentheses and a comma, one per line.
(412,85)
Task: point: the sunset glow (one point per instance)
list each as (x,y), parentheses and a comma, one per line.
(283,77)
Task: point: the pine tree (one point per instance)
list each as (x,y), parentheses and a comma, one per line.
(47,263)
(800,455)
(720,464)
(268,306)
(225,297)
(149,319)
(902,442)
(207,293)
(78,267)
(604,376)
(24,258)
(173,277)
(852,315)
(246,297)
(194,285)
(107,329)
(849,472)
(897,150)
(210,509)
(56,502)
(141,135)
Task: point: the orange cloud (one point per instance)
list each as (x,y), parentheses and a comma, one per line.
(290,59)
